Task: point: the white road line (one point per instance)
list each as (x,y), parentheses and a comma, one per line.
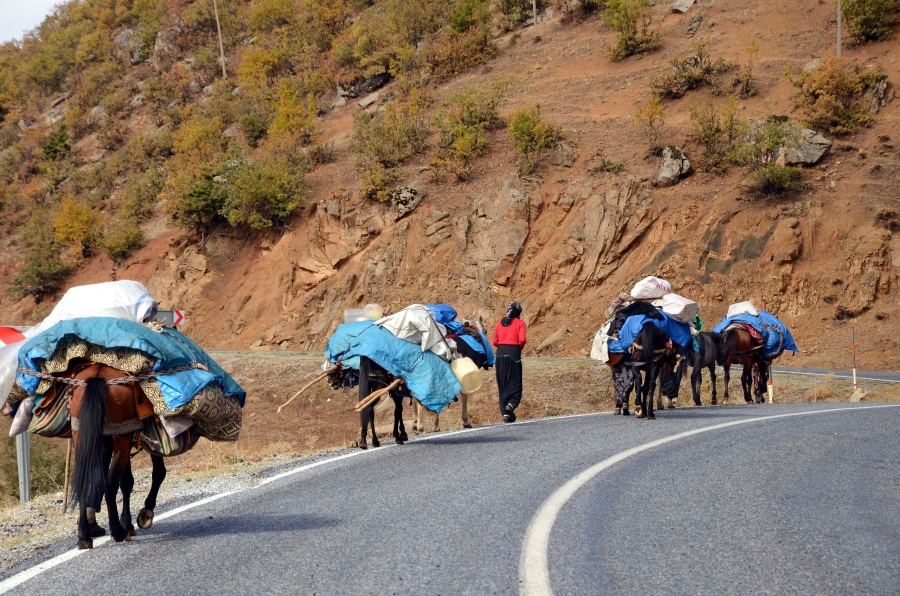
(23,576)
(534,574)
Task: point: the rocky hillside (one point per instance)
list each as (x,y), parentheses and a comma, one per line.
(594,218)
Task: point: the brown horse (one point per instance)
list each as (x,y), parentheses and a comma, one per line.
(373,377)
(104,410)
(739,348)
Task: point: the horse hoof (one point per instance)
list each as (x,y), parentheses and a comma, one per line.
(121,537)
(625,412)
(131,533)
(363,446)
(145,519)
(95,530)
(399,441)
(640,415)
(651,417)
(376,444)
(617,412)
(404,437)
(85,544)
(467,425)
(670,407)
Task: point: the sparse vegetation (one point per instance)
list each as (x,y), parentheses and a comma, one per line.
(720,130)
(765,141)
(744,81)
(831,96)
(692,72)
(531,136)
(651,118)
(869,20)
(632,20)
(463,124)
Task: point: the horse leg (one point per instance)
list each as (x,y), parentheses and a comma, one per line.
(435,421)
(696,382)
(145,515)
(417,410)
(658,391)
(84,531)
(747,381)
(364,427)
(639,395)
(127,486)
(464,400)
(652,377)
(120,458)
(712,381)
(399,433)
(727,374)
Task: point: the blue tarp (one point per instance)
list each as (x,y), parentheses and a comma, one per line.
(678,332)
(482,347)
(442,313)
(428,376)
(770,337)
(170,348)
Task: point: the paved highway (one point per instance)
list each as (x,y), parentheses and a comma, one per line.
(740,499)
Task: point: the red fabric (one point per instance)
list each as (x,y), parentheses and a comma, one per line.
(8,335)
(514,335)
(757,337)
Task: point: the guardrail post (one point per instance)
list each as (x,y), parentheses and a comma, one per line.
(23,457)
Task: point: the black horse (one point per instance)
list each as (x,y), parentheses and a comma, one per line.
(711,353)
(650,351)
(371,378)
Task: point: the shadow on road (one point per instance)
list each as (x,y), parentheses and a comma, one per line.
(468,439)
(246,523)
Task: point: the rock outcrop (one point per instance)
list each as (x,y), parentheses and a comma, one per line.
(675,165)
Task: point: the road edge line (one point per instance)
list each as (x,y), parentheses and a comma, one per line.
(534,572)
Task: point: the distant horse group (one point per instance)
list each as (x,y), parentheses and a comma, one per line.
(653,352)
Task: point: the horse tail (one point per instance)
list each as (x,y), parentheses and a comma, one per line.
(730,345)
(719,344)
(89,477)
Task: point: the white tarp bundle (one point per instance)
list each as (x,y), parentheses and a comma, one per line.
(742,308)
(600,347)
(680,308)
(416,324)
(650,287)
(124,299)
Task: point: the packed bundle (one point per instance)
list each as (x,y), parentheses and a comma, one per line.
(181,393)
(765,329)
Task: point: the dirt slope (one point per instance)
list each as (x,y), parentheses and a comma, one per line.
(566,244)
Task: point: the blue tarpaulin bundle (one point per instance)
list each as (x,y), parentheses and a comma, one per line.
(443,313)
(428,377)
(766,324)
(482,347)
(678,332)
(170,349)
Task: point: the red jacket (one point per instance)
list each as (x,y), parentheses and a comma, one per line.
(514,335)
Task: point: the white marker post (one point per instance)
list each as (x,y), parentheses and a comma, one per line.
(23,456)
(770,388)
(853,354)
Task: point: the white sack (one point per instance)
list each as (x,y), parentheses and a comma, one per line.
(742,308)
(416,324)
(123,299)
(680,308)
(650,287)
(600,347)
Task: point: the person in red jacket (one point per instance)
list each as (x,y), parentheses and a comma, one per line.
(509,339)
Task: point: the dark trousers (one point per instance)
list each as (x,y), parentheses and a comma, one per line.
(509,376)
(623,382)
(671,382)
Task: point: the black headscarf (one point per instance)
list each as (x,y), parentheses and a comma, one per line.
(513,310)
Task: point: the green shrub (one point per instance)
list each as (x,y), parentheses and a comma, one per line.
(43,269)
(141,194)
(452,53)
(690,73)
(632,20)
(831,96)
(76,226)
(121,236)
(531,136)
(254,128)
(766,139)
(266,15)
(469,13)
(57,144)
(512,13)
(203,202)
(463,124)
(869,20)
(774,179)
(374,181)
(48,464)
(265,193)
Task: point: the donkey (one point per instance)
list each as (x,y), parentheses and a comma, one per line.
(104,420)
(648,352)
(739,348)
(420,412)
(371,374)
(711,353)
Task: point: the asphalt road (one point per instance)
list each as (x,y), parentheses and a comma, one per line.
(800,504)
(861,375)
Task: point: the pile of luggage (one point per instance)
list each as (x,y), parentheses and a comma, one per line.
(436,355)
(765,329)
(182,393)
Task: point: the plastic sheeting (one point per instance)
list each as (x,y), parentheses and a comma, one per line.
(443,313)
(765,324)
(170,349)
(678,332)
(127,300)
(416,324)
(428,377)
(482,346)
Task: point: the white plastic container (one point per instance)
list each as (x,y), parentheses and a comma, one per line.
(467,374)
(354,315)
(373,311)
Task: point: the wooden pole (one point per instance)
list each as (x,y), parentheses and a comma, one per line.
(307,386)
(534,10)
(66,480)
(839,29)
(221,47)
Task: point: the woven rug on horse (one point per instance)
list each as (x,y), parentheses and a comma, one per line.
(211,398)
